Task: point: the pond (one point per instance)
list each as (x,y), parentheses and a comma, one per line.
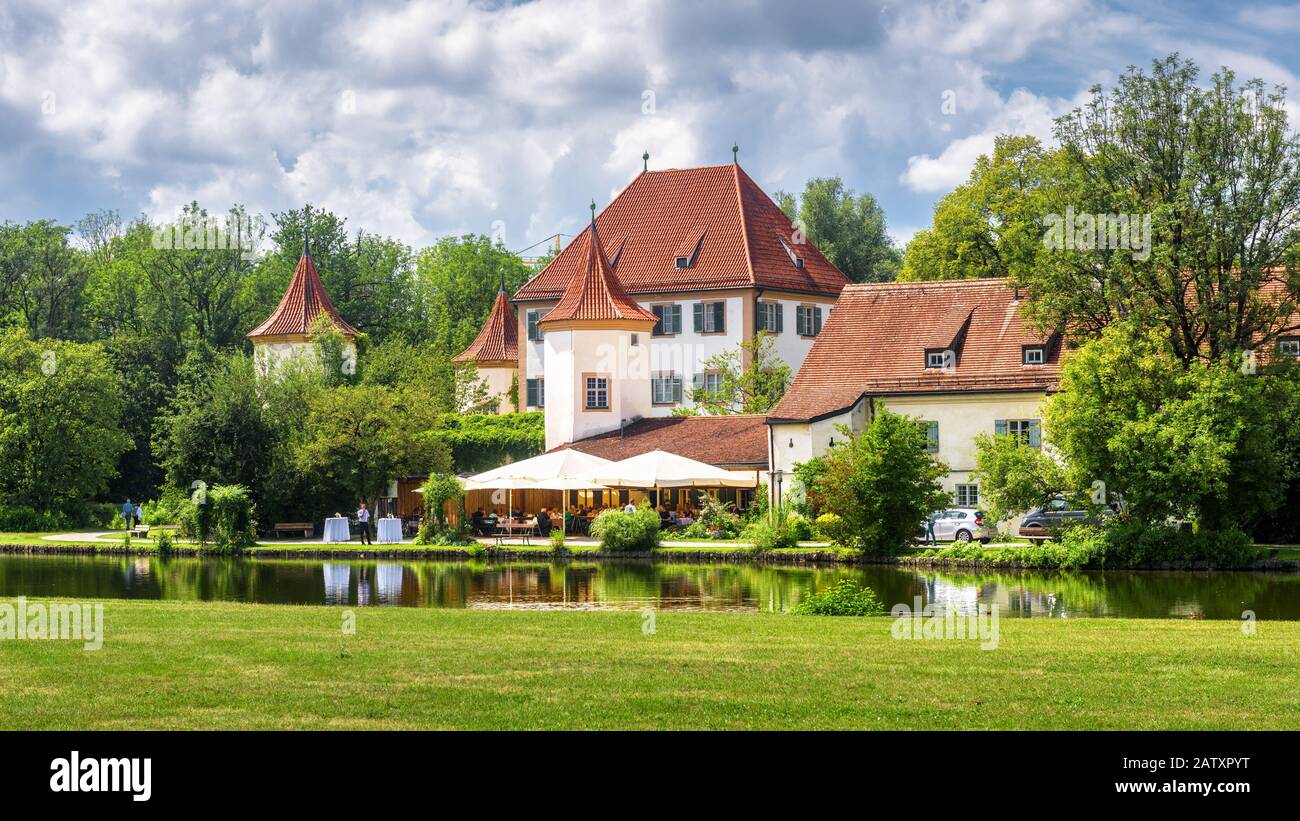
(635,585)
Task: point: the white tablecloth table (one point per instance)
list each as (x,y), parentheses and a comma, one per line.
(336,530)
(389,531)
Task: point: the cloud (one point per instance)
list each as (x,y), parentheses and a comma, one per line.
(418,120)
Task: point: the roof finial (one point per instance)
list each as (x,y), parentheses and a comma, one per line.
(645,161)
(735,151)
(593,213)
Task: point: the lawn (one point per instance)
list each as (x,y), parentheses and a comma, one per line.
(199,665)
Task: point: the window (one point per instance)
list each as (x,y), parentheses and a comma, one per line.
(932,437)
(534,332)
(770,317)
(795,258)
(536,394)
(967,495)
(668,320)
(1289,346)
(937,359)
(683,262)
(636,341)
(1033,356)
(597,392)
(710,383)
(710,317)
(666,389)
(1028,431)
(808,319)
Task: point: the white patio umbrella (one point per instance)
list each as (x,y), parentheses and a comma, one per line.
(659,468)
(557,470)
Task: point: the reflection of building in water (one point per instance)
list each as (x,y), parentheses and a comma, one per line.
(388,583)
(944,594)
(338,578)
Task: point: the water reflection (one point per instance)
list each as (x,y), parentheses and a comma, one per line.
(628,585)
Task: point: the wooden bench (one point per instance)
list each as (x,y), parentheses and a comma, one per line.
(306,528)
(140,530)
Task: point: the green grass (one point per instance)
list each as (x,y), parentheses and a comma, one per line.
(195,665)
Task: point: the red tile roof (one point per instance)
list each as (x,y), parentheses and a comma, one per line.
(738,441)
(662,215)
(301,304)
(499,339)
(594,293)
(876,338)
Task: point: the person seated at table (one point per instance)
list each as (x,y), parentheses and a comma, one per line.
(543,523)
(663,517)
(476,523)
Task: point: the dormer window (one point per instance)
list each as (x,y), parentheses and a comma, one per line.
(938,360)
(1034,355)
(1289,346)
(795,258)
(683,262)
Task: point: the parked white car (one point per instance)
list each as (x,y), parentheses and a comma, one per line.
(959,524)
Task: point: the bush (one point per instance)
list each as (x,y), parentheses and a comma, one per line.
(557,542)
(223,515)
(166,510)
(800,527)
(845,598)
(163,541)
(765,536)
(831,527)
(621,532)
(436,529)
(21,518)
(719,518)
(694,530)
(1117,545)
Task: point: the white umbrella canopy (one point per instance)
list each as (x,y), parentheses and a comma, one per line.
(660,468)
(557,470)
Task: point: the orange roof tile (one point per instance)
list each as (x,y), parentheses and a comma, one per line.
(498,341)
(594,293)
(303,301)
(737,228)
(738,441)
(876,337)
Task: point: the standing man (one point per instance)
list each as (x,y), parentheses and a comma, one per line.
(929,531)
(363,517)
(128,514)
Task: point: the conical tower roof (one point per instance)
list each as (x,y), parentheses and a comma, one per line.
(595,294)
(498,341)
(302,303)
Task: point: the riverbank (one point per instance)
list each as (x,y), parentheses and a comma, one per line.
(194,665)
(1280,558)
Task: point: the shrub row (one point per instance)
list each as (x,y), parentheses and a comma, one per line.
(1116,545)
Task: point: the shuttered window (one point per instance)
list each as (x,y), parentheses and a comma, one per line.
(536,393)
(710,317)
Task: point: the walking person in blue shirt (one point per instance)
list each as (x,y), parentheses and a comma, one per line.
(363,518)
(128,514)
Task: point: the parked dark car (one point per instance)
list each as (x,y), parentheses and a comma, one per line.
(1049,520)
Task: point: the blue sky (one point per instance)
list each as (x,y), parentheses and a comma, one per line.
(420,120)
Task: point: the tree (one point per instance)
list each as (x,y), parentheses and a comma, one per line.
(990,226)
(849,229)
(363,437)
(882,482)
(1014,478)
(1200,442)
(755,388)
(60,429)
(1208,183)
(42,279)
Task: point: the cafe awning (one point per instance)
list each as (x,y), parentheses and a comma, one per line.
(659,468)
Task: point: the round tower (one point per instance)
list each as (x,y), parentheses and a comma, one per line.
(597,352)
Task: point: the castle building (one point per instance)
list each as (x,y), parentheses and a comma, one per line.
(286,334)
(682,265)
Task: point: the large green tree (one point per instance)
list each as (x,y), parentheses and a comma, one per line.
(42,279)
(60,430)
(847,227)
(991,225)
(1209,181)
(1203,442)
(752,378)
